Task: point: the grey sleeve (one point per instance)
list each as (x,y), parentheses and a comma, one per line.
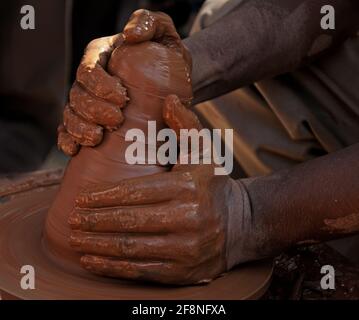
(263,38)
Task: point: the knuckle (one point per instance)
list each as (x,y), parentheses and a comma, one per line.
(90,222)
(195,217)
(74,94)
(88,73)
(67,117)
(92,141)
(140,13)
(83,65)
(128,219)
(81,70)
(186,185)
(125,245)
(69,149)
(164,16)
(76,89)
(192,252)
(80,73)
(94,43)
(70,124)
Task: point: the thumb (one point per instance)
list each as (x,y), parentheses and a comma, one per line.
(145,25)
(178,117)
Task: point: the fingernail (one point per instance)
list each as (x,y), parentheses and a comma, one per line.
(86,263)
(74,241)
(81,199)
(74,220)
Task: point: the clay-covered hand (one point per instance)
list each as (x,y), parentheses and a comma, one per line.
(96,97)
(95,100)
(145,25)
(185,226)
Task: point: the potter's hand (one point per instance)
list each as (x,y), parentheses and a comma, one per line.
(96,97)
(95,101)
(145,25)
(180,227)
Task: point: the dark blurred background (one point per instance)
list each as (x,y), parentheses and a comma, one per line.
(37,67)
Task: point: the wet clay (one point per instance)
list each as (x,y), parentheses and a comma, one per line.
(33,234)
(22,219)
(150,72)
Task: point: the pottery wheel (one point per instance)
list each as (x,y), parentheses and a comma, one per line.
(23,209)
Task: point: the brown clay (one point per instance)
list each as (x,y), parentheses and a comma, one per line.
(150,72)
(24,203)
(18,247)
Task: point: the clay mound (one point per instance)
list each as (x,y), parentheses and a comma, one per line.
(32,234)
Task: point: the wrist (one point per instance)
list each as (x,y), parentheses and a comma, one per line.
(193,50)
(239,244)
(205,70)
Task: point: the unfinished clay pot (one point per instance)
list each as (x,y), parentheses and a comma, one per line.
(150,72)
(24,204)
(31,234)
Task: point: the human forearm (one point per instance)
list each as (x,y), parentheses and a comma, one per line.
(316,201)
(263,38)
